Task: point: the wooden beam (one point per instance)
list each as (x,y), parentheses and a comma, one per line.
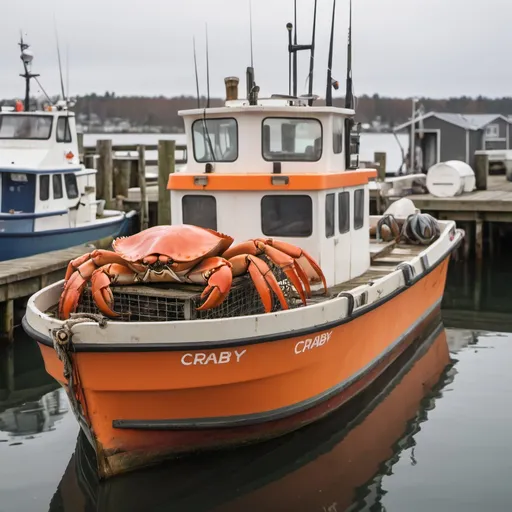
(144,207)
(166,166)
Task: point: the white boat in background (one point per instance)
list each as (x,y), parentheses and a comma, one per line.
(48,198)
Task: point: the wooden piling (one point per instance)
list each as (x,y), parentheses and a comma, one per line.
(380,158)
(144,206)
(80,143)
(105,175)
(8,321)
(122,181)
(481,171)
(166,166)
(479,239)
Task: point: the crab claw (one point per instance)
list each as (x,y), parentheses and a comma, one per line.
(101,280)
(217,273)
(70,296)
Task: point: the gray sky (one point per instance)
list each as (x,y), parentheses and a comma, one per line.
(435,48)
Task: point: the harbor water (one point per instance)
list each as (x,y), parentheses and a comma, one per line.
(431,434)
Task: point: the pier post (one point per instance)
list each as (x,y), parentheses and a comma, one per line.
(479,239)
(8,321)
(122,181)
(144,206)
(104,177)
(166,166)
(481,171)
(380,159)
(80,143)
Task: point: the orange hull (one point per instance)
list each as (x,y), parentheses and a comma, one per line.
(143,406)
(338,456)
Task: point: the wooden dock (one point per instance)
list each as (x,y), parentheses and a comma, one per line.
(473,211)
(22,277)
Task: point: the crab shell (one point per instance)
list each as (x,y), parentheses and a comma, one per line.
(183,243)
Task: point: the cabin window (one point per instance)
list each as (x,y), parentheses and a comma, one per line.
(57,186)
(492,131)
(291,140)
(215,140)
(199,210)
(358,209)
(329,215)
(71,185)
(63,131)
(337,135)
(344,212)
(44,187)
(290,215)
(19,126)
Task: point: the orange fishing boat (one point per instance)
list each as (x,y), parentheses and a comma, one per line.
(344,456)
(272,299)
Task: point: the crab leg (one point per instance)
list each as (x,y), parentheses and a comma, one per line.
(88,263)
(101,280)
(286,262)
(262,277)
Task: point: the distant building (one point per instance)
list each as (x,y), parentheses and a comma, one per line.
(442,136)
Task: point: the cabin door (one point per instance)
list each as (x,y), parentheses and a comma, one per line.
(343,235)
(18,192)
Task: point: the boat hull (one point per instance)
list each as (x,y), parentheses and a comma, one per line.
(21,245)
(143,406)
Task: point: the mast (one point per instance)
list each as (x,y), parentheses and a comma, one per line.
(26,57)
(329,85)
(349,96)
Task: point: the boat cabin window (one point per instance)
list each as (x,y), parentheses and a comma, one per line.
(199,210)
(215,140)
(358,209)
(337,135)
(21,127)
(71,185)
(44,187)
(291,139)
(329,215)
(290,215)
(57,186)
(344,212)
(63,131)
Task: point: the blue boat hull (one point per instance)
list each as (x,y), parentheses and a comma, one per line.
(21,245)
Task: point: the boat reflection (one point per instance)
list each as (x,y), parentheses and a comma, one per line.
(31,401)
(334,465)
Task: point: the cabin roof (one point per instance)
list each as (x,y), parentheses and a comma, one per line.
(466,121)
(267,108)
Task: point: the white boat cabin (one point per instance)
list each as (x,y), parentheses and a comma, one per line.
(276,169)
(43,185)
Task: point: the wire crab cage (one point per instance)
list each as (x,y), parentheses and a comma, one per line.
(175,301)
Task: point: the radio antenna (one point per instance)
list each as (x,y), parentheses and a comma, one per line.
(330,84)
(250,32)
(312,59)
(207,70)
(197,77)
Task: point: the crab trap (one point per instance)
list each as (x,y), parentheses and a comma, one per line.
(176,301)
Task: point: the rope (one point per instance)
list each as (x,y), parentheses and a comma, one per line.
(420,229)
(389,221)
(62,343)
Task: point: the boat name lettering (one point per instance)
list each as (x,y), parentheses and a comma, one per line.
(317,341)
(201,358)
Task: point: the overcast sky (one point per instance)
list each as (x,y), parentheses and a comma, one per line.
(435,48)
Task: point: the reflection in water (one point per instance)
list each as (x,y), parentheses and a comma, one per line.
(31,402)
(334,465)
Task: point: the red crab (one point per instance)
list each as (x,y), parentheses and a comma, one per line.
(187,254)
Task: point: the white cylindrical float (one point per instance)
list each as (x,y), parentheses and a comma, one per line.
(451,178)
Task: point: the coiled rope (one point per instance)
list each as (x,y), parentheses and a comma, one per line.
(420,229)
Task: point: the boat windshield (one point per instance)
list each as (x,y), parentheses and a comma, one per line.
(215,140)
(292,139)
(22,127)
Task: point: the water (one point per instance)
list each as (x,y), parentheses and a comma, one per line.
(432,434)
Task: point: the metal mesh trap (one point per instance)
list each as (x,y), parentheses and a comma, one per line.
(175,301)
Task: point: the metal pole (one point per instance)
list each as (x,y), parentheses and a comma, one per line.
(413,132)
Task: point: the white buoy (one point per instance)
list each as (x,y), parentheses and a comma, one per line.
(402,208)
(451,178)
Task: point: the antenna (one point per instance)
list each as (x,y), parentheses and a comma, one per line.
(207,70)
(250,31)
(330,83)
(295,44)
(26,57)
(60,64)
(312,59)
(67,68)
(197,78)
(289,27)
(349,96)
